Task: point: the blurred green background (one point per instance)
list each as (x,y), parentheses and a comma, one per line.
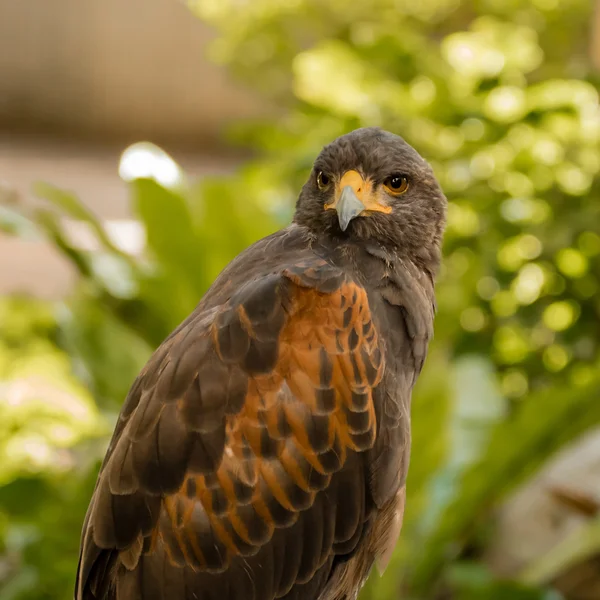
(501,96)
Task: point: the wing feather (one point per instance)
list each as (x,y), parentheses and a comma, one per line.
(242,434)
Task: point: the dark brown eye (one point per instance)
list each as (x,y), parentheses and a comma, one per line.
(323,180)
(396,184)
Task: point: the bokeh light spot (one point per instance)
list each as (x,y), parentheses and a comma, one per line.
(571,262)
(482,165)
(472,319)
(462,219)
(555,357)
(505,104)
(147,161)
(589,243)
(488,287)
(514,383)
(582,374)
(473,129)
(547,151)
(573,180)
(528,284)
(560,315)
(518,184)
(504,304)
(511,344)
(525,210)
(423,90)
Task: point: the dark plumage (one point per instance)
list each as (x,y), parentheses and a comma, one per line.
(262,451)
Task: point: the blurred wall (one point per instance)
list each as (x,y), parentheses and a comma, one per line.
(113,69)
(80,80)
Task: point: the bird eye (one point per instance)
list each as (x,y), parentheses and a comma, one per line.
(323,180)
(396,184)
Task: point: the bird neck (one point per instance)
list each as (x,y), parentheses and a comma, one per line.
(372,262)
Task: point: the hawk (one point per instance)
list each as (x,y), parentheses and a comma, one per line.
(262,452)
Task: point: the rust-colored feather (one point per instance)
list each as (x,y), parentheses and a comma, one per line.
(239,422)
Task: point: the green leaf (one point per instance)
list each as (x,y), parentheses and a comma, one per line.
(476,409)
(68,203)
(473,581)
(170,233)
(227,223)
(106,353)
(23,496)
(50,224)
(15,223)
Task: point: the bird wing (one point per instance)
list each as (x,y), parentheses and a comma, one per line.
(238,445)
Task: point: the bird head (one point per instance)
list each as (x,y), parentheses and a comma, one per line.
(371,185)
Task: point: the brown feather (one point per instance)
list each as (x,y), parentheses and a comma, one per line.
(276,448)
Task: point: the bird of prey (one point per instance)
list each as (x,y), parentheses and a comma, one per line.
(262,452)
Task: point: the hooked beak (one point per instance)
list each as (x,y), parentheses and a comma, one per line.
(355,196)
(348,207)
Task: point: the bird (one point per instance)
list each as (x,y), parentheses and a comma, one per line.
(262,452)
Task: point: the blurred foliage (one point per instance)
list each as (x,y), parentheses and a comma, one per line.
(56,359)
(499,96)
